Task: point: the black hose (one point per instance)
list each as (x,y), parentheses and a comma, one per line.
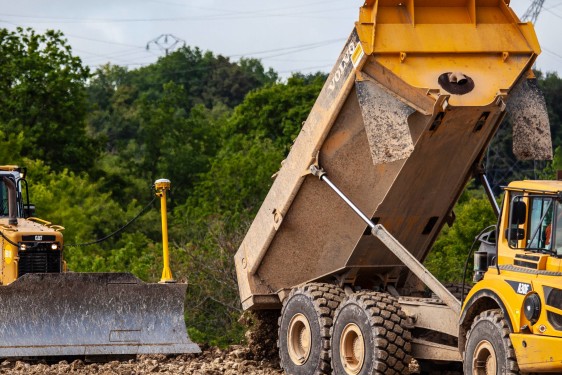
(117,231)
(8,240)
(468,258)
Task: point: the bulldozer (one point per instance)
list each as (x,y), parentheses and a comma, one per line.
(399,129)
(48,311)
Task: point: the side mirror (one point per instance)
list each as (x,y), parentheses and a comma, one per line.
(515,234)
(518,212)
(29,210)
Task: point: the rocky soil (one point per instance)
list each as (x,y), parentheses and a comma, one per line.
(213,361)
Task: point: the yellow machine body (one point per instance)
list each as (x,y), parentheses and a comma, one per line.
(523,270)
(415,39)
(30,233)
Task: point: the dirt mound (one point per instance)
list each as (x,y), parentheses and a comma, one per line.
(213,361)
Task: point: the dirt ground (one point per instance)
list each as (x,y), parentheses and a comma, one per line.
(236,360)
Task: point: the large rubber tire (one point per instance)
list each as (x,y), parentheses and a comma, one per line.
(370,335)
(488,347)
(306,318)
(456,290)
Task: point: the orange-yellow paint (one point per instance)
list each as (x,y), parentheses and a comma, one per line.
(418,40)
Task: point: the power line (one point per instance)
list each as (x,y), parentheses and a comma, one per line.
(554,6)
(310,45)
(549,10)
(102,41)
(224,16)
(306,69)
(552,52)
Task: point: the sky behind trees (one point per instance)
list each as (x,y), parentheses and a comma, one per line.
(289,36)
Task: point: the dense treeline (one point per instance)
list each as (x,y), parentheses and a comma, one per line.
(94,142)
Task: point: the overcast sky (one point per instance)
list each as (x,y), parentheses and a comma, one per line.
(289,35)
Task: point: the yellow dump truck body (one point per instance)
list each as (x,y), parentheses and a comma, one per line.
(394,131)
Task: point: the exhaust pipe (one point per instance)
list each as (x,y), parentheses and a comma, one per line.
(12,204)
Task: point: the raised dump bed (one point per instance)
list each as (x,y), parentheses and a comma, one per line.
(400,126)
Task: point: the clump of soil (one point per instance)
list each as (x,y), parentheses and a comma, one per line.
(262,335)
(212,361)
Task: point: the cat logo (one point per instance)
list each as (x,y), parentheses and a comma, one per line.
(38,238)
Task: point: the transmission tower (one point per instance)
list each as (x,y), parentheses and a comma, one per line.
(165,42)
(532,13)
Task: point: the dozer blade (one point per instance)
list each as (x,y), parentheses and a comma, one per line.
(75,314)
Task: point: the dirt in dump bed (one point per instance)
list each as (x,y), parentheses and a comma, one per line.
(212,361)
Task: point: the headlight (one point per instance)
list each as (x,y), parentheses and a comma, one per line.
(54,246)
(23,247)
(532,307)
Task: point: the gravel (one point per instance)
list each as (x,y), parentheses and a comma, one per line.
(212,361)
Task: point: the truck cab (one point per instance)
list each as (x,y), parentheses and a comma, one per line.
(521,275)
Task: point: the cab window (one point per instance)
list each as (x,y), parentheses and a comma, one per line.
(558,226)
(540,229)
(3,199)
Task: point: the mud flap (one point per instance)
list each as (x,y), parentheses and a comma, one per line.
(531,127)
(75,314)
(386,123)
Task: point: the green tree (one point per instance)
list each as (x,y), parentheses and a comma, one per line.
(449,253)
(277,111)
(206,78)
(87,213)
(44,97)
(551,86)
(166,119)
(210,225)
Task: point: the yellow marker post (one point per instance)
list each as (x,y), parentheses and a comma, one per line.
(162,186)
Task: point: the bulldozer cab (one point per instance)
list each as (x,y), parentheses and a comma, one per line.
(3,199)
(16,175)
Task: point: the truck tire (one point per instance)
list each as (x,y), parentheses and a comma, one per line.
(457,290)
(304,328)
(488,347)
(370,335)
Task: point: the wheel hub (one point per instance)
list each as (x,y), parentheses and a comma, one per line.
(352,349)
(299,339)
(485,360)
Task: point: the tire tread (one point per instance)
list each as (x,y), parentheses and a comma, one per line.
(497,319)
(390,327)
(325,298)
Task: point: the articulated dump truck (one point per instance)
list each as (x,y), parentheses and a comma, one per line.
(46,311)
(399,129)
